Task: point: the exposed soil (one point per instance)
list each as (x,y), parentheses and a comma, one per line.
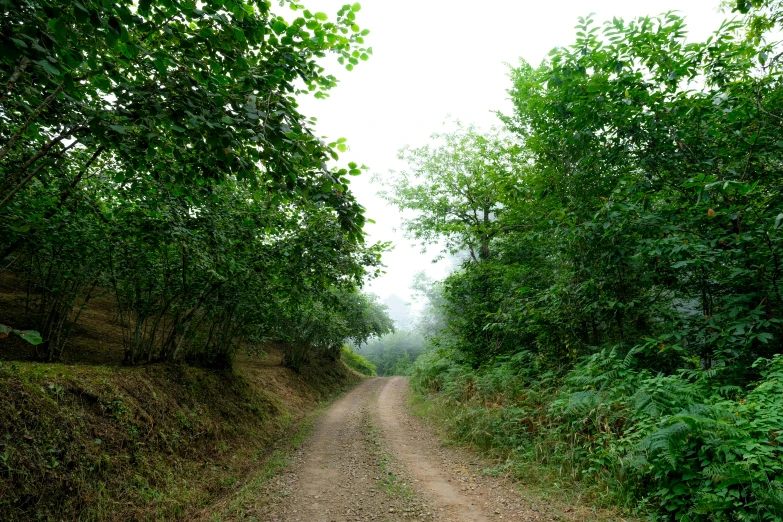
(370,459)
(96,339)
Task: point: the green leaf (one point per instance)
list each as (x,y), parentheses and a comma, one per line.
(356,7)
(47,66)
(278,26)
(321,16)
(31,336)
(764,337)
(118,128)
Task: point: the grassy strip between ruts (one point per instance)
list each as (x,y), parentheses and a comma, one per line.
(389,482)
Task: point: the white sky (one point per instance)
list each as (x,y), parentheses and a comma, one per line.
(437,58)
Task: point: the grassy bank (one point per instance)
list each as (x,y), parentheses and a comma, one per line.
(486,432)
(84,442)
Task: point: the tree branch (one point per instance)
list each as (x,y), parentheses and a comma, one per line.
(14,78)
(7,147)
(43,152)
(30,176)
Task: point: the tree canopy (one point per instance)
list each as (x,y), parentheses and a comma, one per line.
(458,187)
(155,150)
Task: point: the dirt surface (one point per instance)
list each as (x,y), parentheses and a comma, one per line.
(370,459)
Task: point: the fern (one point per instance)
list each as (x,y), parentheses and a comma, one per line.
(667,443)
(716,471)
(581,403)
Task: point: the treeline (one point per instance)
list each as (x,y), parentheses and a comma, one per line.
(154,151)
(394,353)
(618,319)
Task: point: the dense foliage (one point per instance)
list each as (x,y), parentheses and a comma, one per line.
(154,150)
(623,321)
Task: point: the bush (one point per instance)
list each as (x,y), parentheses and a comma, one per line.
(670,446)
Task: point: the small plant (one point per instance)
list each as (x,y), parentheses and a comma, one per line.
(31,336)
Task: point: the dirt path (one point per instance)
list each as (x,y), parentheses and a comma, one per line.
(370,459)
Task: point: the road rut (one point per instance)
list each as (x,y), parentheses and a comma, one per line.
(369,459)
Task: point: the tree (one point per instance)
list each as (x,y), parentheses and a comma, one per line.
(326,324)
(638,282)
(155,150)
(458,188)
(663,156)
(186,93)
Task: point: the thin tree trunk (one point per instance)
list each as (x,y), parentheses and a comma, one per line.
(7,147)
(43,152)
(64,195)
(23,63)
(30,176)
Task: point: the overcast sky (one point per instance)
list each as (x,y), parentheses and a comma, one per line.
(433,59)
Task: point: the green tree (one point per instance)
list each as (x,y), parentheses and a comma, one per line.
(634,295)
(183,92)
(155,150)
(458,188)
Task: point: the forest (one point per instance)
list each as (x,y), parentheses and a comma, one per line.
(616,323)
(165,209)
(613,327)
(153,153)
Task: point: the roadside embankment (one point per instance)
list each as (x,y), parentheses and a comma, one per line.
(81,442)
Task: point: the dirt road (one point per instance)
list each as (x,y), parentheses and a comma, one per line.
(370,459)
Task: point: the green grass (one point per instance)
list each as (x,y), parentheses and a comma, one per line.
(538,483)
(146,443)
(357,362)
(390,483)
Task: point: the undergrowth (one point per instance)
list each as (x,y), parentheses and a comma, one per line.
(670,447)
(358,362)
